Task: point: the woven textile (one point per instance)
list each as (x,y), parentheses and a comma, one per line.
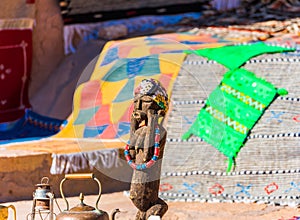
(122,28)
(236,104)
(30,126)
(15,66)
(102,106)
(233,57)
(267,167)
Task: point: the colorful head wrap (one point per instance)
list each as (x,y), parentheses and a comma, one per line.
(154,89)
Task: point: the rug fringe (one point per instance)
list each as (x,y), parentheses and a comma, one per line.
(70,163)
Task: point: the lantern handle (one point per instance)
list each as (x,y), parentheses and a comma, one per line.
(45,179)
(80,176)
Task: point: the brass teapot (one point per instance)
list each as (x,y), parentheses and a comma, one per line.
(4,212)
(83,211)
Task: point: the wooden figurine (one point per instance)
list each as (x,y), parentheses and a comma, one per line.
(144,152)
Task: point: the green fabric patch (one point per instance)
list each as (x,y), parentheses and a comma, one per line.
(231,111)
(237,103)
(233,57)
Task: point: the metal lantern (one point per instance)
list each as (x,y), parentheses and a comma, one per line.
(43,197)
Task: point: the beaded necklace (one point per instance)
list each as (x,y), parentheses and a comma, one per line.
(154,158)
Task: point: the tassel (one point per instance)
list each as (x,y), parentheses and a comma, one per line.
(282,92)
(186,136)
(231,162)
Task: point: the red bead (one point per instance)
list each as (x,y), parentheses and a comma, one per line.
(157,138)
(150,163)
(128,157)
(156,151)
(133,165)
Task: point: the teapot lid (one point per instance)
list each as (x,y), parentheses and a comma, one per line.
(82,207)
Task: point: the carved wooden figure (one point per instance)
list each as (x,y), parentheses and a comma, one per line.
(144,152)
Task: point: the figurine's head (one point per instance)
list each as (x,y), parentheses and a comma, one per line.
(150,94)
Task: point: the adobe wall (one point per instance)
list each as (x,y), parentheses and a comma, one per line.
(20,171)
(47,35)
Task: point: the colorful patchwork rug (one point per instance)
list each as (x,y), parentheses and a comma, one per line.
(102,106)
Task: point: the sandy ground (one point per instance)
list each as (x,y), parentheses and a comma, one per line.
(177,210)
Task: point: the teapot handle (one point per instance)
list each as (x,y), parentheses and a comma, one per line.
(14,211)
(80,176)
